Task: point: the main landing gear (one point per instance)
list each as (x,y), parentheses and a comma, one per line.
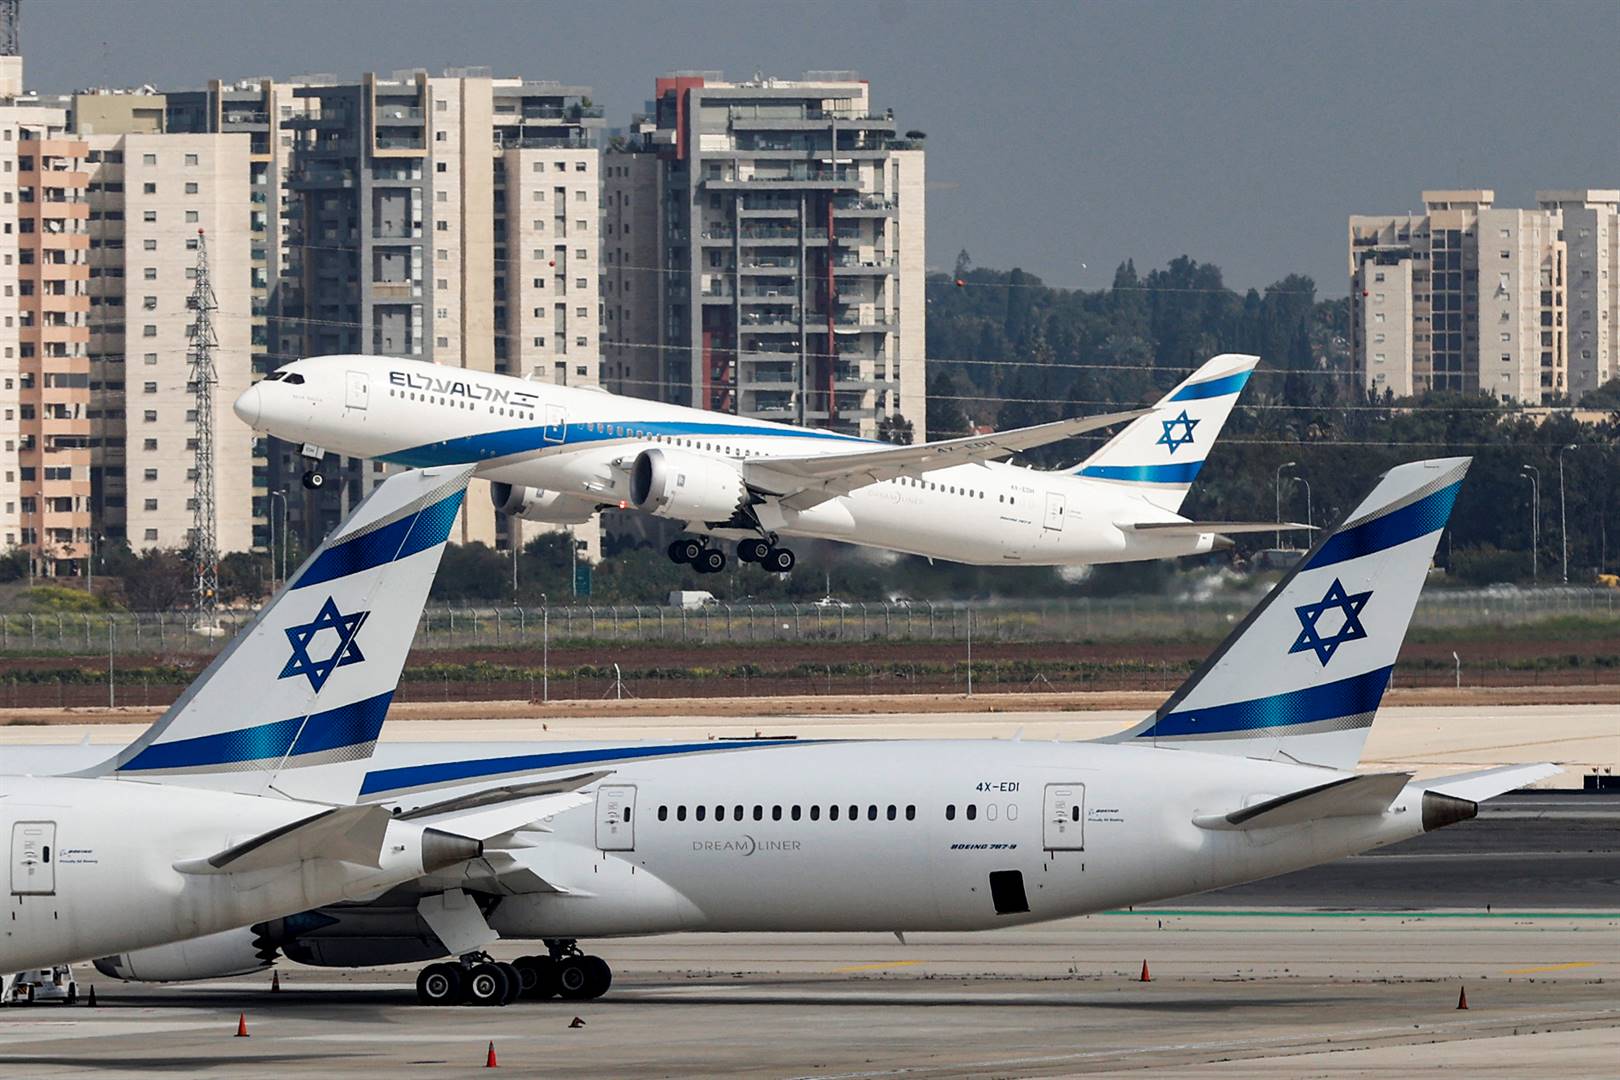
(710,560)
(476,979)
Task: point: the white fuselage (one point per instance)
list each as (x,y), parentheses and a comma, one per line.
(581,443)
(92,866)
(919,828)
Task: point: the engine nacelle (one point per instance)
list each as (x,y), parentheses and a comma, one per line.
(687,487)
(229,952)
(537,504)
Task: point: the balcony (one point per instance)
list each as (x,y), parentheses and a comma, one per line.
(398,115)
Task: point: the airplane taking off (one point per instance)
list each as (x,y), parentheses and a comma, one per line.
(1245,772)
(559,454)
(227,810)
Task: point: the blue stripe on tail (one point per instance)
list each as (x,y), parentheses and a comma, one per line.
(1226,384)
(1329,701)
(1388,530)
(1180,472)
(349,725)
(396,540)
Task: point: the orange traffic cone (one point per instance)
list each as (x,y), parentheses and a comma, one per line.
(241,1026)
(92,1002)
(1145,977)
(1462,997)
(489,1059)
(275,982)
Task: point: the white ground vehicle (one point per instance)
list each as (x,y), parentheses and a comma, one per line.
(36,985)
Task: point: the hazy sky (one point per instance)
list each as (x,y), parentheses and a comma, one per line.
(1062,137)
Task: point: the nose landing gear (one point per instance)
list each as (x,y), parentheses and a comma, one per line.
(312,455)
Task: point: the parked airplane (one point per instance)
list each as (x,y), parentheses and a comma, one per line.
(226,811)
(1245,772)
(559,454)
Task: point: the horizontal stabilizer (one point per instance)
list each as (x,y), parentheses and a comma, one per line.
(1487,783)
(1199,528)
(1349,796)
(352,834)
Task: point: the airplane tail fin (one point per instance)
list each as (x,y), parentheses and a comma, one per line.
(1301,677)
(293,705)
(1159,455)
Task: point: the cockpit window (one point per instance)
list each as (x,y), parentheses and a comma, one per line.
(294,378)
(275,376)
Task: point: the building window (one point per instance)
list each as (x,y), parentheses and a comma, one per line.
(149,416)
(149,216)
(148,245)
(149,388)
(191,187)
(191,216)
(148,159)
(151,534)
(150,474)
(191,159)
(149,504)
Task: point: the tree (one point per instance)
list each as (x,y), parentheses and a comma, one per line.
(896,429)
(158,580)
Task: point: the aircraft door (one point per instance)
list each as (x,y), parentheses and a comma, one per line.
(358,396)
(556,429)
(1064,818)
(1054,510)
(33,858)
(616,817)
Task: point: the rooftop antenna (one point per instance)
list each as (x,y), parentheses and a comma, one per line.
(204,521)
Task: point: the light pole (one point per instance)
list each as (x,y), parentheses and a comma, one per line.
(545,649)
(1533,474)
(1307,483)
(1278,486)
(274,495)
(1563,532)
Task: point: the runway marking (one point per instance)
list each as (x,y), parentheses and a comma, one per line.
(875,967)
(1551,967)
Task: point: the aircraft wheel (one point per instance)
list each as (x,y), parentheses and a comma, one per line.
(314,480)
(578,978)
(514,982)
(712,561)
(537,975)
(486,985)
(686,551)
(601,976)
(439,984)
(779,560)
(753,550)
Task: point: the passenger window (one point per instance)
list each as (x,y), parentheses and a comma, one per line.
(815,813)
(663,813)
(1074,812)
(737,812)
(950,812)
(911,813)
(990,812)
(832,812)
(776,813)
(892,812)
(854,812)
(680,813)
(795,813)
(699,811)
(972,811)
(720,813)
(759,812)
(871,812)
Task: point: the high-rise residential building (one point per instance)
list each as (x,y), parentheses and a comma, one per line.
(1469,297)
(785,276)
(447,218)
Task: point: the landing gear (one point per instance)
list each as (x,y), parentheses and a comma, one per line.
(763,550)
(477,980)
(778,560)
(752,550)
(312,455)
(703,559)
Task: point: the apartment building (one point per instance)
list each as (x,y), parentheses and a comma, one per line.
(447,218)
(790,237)
(45,369)
(1470,297)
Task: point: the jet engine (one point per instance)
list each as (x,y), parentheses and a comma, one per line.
(216,956)
(687,487)
(537,504)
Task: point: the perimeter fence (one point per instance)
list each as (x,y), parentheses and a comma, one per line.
(744,650)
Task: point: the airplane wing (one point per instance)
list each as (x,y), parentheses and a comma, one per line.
(1348,796)
(351,834)
(840,473)
(1198,528)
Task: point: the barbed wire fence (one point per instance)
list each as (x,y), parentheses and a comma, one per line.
(82,659)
